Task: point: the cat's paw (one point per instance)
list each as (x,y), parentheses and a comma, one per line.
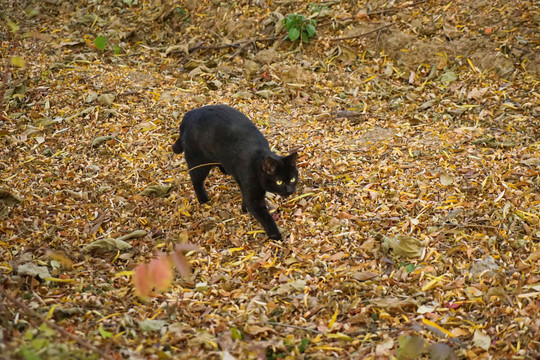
(244,208)
(203,200)
(275,236)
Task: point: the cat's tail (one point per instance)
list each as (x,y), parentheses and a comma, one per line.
(177,146)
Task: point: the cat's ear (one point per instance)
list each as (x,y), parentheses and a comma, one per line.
(269,166)
(292,158)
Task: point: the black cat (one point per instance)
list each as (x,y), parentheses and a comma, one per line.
(218,135)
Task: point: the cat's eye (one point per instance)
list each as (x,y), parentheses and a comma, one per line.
(279,182)
(293,180)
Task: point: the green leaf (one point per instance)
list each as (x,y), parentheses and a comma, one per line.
(311,30)
(236,334)
(294,34)
(39,343)
(104,333)
(286,22)
(28,354)
(303,345)
(305,37)
(116,49)
(29,334)
(17,61)
(100,42)
(14,27)
(46,330)
(410,268)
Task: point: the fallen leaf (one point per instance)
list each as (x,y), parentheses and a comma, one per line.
(31,269)
(160,272)
(99,140)
(364,275)
(442,351)
(7,198)
(157,190)
(481,340)
(106,245)
(410,347)
(446,179)
(406,246)
(133,234)
(151,325)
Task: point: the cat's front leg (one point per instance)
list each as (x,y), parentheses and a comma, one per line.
(258,208)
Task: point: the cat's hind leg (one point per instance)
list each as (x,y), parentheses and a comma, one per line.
(198,175)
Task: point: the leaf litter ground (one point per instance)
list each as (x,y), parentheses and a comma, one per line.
(416,224)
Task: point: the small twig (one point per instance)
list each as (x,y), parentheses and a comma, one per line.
(364,34)
(469,225)
(242,48)
(200,46)
(291,326)
(360,332)
(394,218)
(382,11)
(367,331)
(25,308)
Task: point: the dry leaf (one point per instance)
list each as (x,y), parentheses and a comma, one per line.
(481,340)
(446,179)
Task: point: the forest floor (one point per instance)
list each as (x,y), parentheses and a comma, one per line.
(415,228)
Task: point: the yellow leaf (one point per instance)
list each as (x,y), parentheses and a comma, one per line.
(370,78)
(527,216)
(60,280)
(18,61)
(430,284)
(51,312)
(317,339)
(124,273)
(334,317)
(327,347)
(255,232)
(270,264)
(212,343)
(340,336)
(432,324)
(246,258)
(299,197)
(108,316)
(471,65)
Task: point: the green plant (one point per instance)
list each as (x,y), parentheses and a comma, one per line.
(183,14)
(100,42)
(298,26)
(316,8)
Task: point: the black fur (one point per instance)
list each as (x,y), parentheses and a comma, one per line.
(221,134)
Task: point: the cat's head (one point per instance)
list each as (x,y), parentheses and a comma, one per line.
(279,174)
